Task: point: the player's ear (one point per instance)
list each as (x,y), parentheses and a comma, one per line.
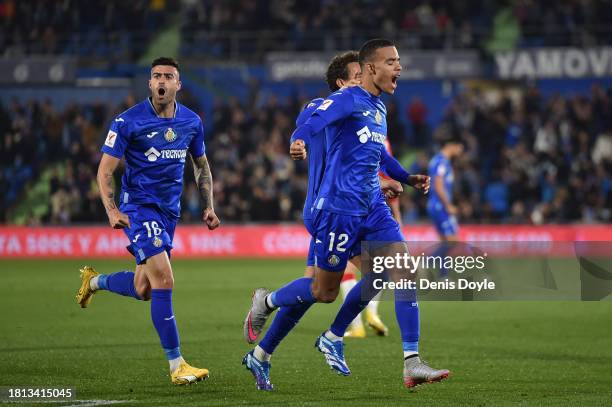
(179,86)
(372,69)
(339,83)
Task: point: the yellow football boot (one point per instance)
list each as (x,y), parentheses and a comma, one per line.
(186,374)
(355,331)
(374,322)
(85,293)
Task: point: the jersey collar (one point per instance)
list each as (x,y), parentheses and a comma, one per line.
(152,109)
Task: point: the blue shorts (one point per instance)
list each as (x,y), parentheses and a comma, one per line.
(445,224)
(310,260)
(338,237)
(151,231)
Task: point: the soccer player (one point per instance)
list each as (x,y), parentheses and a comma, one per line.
(440,204)
(350,208)
(343,71)
(155,137)
(349,280)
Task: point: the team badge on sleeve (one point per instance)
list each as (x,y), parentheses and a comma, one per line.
(170,135)
(111,137)
(326,103)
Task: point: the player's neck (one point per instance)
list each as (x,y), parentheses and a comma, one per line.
(371,87)
(164,111)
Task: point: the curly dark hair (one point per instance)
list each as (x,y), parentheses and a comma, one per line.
(338,68)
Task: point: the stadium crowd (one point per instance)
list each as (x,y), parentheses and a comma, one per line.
(527,160)
(121,29)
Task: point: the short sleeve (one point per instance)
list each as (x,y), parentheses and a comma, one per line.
(117,138)
(196,147)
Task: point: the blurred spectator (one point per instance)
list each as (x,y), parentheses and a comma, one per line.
(552,163)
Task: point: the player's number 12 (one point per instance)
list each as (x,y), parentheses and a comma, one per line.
(342,239)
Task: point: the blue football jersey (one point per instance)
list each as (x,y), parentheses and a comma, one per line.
(355,131)
(316,147)
(155,150)
(440,166)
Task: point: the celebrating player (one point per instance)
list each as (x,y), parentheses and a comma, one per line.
(343,71)
(350,208)
(349,279)
(440,204)
(155,137)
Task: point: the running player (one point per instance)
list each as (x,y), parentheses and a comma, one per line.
(350,208)
(155,137)
(343,71)
(440,206)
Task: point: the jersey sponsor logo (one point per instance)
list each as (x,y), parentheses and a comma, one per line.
(170,135)
(366,113)
(365,134)
(174,154)
(152,154)
(111,137)
(152,134)
(326,103)
(378,117)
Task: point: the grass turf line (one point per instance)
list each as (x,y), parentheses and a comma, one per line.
(500,353)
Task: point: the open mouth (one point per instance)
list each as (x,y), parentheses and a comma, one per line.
(161,91)
(394,80)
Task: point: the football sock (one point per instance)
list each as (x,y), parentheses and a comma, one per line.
(353,304)
(373,305)
(283,323)
(163,319)
(121,283)
(345,287)
(261,354)
(332,336)
(296,292)
(442,251)
(407,313)
(175,363)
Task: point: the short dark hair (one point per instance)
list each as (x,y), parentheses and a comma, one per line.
(451,138)
(165,61)
(338,68)
(369,48)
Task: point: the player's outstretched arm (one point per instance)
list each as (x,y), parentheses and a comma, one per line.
(106,184)
(203,178)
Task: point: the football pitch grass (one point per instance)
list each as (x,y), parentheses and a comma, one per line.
(499,353)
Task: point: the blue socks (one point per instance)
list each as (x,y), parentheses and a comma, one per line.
(354,303)
(296,292)
(121,283)
(284,321)
(164,321)
(407,314)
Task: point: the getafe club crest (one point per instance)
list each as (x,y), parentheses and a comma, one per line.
(170,135)
(378,117)
(157,242)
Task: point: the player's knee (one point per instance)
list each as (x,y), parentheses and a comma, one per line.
(162,278)
(325,295)
(144,292)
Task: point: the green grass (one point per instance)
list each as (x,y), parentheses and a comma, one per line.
(500,353)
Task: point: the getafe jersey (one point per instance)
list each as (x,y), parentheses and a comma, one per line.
(316,157)
(355,130)
(440,166)
(155,150)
